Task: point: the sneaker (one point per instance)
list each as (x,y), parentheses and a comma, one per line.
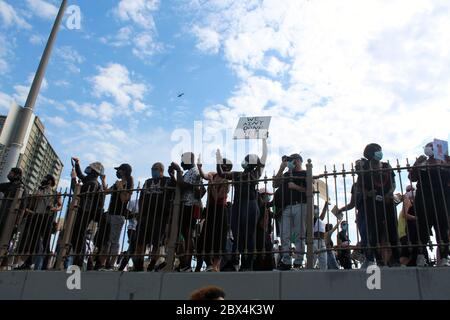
(421,262)
(284,267)
(186,269)
(444,263)
(297,267)
(160,266)
(210,269)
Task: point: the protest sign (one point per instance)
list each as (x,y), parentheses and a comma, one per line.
(321,187)
(338,215)
(440,149)
(252,128)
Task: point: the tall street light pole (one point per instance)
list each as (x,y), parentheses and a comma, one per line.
(17,138)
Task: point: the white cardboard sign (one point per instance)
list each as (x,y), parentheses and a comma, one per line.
(252,128)
(440,149)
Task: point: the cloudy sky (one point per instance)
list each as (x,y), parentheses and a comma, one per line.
(334,76)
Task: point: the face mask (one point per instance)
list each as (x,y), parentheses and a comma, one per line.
(244,164)
(155,174)
(428,151)
(411,194)
(45,183)
(316,213)
(291,165)
(11,177)
(266,198)
(378,155)
(186,166)
(88,170)
(118,175)
(344,227)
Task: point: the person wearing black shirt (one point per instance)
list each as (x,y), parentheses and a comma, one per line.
(9,190)
(245,210)
(293,220)
(117,211)
(155,205)
(376,180)
(90,206)
(343,244)
(432,202)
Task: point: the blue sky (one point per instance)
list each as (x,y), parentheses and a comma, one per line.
(334,76)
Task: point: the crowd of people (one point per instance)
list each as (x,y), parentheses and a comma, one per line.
(227,222)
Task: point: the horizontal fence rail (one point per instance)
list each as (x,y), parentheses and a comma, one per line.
(373,213)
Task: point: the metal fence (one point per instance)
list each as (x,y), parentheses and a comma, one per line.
(394,216)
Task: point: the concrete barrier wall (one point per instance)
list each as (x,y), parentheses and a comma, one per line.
(399,283)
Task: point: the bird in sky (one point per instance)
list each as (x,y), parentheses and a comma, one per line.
(180,95)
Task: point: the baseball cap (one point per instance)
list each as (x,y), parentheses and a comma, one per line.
(124,167)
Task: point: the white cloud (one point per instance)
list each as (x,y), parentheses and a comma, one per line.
(333,75)
(209,40)
(114,81)
(37,39)
(137,11)
(5,101)
(145,45)
(10,17)
(70,57)
(57,121)
(144,39)
(42,9)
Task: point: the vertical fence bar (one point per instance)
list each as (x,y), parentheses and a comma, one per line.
(174,232)
(64,243)
(309,216)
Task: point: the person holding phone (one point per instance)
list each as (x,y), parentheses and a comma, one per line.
(293,220)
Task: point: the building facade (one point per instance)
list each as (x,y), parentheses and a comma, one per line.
(37,157)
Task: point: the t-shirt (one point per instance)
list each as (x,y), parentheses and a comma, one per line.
(192,176)
(245,186)
(218,193)
(156,196)
(116,205)
(319,226)
(290,196)
(380,181)
(343,236)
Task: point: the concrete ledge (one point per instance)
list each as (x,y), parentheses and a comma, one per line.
(399,283)
(140,285)
(237,285)
(434,283)
(52,285)
(11,284)
(348,285)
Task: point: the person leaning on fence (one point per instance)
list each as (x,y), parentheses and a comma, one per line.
(245,210)
(356,202)
(121,192)
(38,225)
(407,228)
(432,202)
(331,255)
(343,245)
(215,227)
(293,220)
(264,259)
(191,194)
(377,182)
(90,206)
(319,243)
(9,190)
(155,207)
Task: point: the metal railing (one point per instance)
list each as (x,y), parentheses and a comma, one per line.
(228,225)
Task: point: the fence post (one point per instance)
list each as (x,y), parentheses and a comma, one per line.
(10,223)
(309,216)
(64,241)
(173,238)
